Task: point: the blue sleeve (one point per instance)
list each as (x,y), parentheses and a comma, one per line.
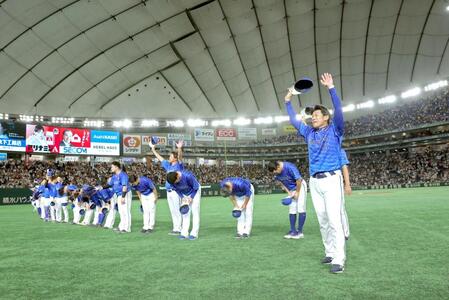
(338,112)
(295,173)
(247,186)
(151,184)
(296,123)
(165,164)
(193,184)
(123,179)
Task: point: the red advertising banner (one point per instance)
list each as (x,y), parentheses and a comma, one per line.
(49,139)
(226,134)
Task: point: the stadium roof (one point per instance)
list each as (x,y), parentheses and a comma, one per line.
(215,58)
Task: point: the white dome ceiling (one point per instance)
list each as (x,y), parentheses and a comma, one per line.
(216,58)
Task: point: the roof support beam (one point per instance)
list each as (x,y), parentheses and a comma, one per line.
(391,45)
(366,45)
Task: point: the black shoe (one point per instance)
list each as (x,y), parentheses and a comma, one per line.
(123,231)
(245,236)
(346,238)
(143,231)
(149,231)
(337,269)
(327,260)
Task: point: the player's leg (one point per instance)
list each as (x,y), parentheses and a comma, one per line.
(146,211)
(249,214)
(87,216)
(53,209)
(292,217)
(123,225)
(241,219)
(320,210)
(195,208)
(65,211)
(110,219)
(344,219)
(152,211)
(38,207)
(96,215)
(76,213)
(58,210)
(185,224)
(333,197)
(129,202)
(173,204)
(302,200)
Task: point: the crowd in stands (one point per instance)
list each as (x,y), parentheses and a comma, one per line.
(433,109)
(366,169)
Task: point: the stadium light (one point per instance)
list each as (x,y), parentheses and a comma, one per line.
(27,118)
(93,123)
(196,123)
(411,93)
(175,123)
(367,104)
(349,107)
(149,123)
(263,120)
(387,99)
(126,123)
(435,85)
(242,121)
(62,120)
(447,8)
(280,119)
(225,122)
(4,116)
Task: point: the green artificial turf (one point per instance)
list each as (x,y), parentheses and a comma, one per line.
(399,249)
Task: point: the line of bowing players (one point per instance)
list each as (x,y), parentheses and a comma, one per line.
(98,205)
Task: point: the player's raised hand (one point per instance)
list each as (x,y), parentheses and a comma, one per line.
(179,144)
(327,81)
(288,97)
(152,146)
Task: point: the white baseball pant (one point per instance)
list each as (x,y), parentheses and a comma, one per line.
(194,210)
(327,197)
(299,206)
(124,209)
(173,203)
(245,221)
(149,211)
(110,219)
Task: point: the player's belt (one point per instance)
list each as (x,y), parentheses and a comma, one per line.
(321,175)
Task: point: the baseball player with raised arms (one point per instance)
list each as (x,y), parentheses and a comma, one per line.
(188,189)
(241,193)
(324,138)
(173,164)
(296,188)
(147,193)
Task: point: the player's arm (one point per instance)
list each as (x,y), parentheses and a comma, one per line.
(156,195)
(284,188)
(247,196)
(124,182)
(326,80)
(298,188)
(347,182)
(179,145)
(195,185)
(153,149)
(233,201)
(291,112)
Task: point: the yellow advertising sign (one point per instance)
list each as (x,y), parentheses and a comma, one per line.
(289,129)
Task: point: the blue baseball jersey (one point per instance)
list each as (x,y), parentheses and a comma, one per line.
(188,185)
(48,190)
(344,158)
(288,175)
(106,194)
(96,198)
(118,181)
(145,186)
(324,144)
(240,186)
(168,167)
(59,186)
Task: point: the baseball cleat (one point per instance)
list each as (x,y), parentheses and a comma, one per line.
(143,231)
(245,236)
(337,269)
(297,236)
(174,233)
(192,237)
(346,238)
(149,231)
(181,237)
(290,234)
(327,260)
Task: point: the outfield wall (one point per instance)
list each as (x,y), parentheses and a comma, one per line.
(22,196)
